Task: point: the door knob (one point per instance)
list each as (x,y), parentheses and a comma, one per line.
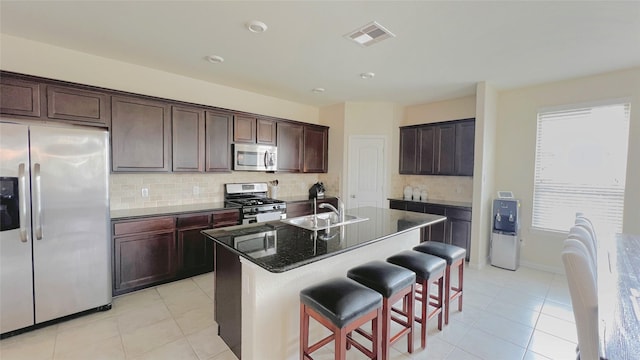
(353,196)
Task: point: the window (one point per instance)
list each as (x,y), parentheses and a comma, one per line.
(581,160)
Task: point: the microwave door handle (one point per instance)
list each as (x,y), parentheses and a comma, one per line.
(22,205)
(266,158)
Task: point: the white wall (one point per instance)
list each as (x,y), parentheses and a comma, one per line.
(484,173)
(333,117)
(515,150)
(34,58)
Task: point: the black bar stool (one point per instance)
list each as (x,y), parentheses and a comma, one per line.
(393,283)
(428,269)
(341,305)
(454,256)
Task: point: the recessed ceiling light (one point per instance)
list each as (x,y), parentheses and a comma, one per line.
(318,90)
(256,26)
(214,59)
(367,75)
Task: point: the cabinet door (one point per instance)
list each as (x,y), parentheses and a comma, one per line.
(19,97)
(426,150)
(244,129)
(68,103)
(217,135)
(266,132)
(445,149)
(459,234)
(140,135)
(408,150)
(290,147)
(195,252)
(143,259)
(187,130)
(316,144)
(435,232)
(465,140)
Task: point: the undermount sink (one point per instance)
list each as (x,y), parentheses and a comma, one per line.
(324,221)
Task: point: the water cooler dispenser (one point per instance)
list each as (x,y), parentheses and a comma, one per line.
(505,242)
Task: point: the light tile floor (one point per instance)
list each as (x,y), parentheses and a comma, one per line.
(524,314)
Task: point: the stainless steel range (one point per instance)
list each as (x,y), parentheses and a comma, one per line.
(255,205)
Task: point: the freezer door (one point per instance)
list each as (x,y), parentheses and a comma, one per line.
(16,286)
(71,237)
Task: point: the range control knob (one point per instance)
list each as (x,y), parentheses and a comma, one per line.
(255,210)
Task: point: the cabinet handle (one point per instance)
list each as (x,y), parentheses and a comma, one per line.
(38,202)
(22,205)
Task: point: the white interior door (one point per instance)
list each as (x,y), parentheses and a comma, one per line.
(366,171)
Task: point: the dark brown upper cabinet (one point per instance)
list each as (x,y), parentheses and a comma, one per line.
(465,143)
(438,148)
(244,129)
(290,147)
(19,97)
(218,129)
(316,143)
(78,105)
(253,130)
(265,132)
(427,150)
(445,147)
(408,150)
(140,135)
(188,138)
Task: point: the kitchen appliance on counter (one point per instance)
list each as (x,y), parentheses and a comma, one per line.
(316,191)
(54,235)
(255,157)
(505,243)
(254,204)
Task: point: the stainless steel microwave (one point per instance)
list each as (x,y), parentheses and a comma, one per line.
(254,157)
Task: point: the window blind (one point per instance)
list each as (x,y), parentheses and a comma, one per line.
(580,166)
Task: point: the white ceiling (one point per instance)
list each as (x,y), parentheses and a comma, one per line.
(440,51)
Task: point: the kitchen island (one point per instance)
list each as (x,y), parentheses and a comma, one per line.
(261,268)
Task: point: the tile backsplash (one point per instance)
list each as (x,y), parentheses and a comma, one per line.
(184,189)
(451,188)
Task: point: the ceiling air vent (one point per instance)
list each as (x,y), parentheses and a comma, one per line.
(369,34)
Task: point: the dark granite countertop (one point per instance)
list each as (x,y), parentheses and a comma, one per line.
(294,247)
(459,204)
(167,210)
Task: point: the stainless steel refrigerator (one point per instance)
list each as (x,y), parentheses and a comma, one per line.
(54,230)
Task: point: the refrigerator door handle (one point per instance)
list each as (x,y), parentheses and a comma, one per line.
(22,205)
(38,202)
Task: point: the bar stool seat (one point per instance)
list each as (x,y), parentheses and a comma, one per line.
(428,269)
(393,283)
(454,256)
(341,305)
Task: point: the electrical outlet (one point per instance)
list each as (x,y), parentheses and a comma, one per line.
(196,190)
(145,192)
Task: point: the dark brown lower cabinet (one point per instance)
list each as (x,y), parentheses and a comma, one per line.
(156,250)
(456,230)
(195,252)
(144,253)
(228,298)
(305,207)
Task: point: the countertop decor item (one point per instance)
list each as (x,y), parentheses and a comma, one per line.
(408,192)
(416,193)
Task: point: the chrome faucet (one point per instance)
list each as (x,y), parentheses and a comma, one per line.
(339,211)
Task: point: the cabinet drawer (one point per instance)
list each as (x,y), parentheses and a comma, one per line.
(193,220)
(460,214)
(134,227)
(226,218)
(434,209)
(398,205)
(417,207)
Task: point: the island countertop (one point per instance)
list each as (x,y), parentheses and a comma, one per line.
(283,247)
